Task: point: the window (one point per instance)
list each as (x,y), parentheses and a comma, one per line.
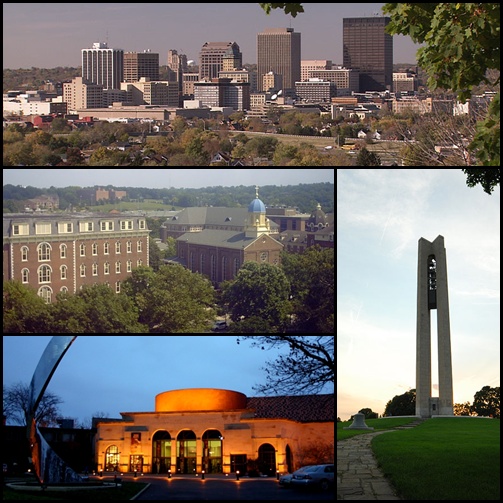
(82,271)
(117,267)
(63,271)
(139,246)
(44,274)
(141,224)
(82,250)
(213,268)
(106,248)
(224,268)
(20,230)
(118,247)
(129,247)
(46,293)
(43,228)
(86,226)
(44,251)
(107,225)
(25,276)
(129,266)
(62,251)
(95,269)
(126,225)
(65,228)
(95,249)
(106,267)
(117,287)
(236,266)
(24,254)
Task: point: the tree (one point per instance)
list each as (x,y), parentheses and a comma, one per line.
(402,405)
(367,158)
(16,406)
(486,402)
(290,8)
(369,413)
(462,42)
(258,290)
(171,300)
(488,178)
(462,409)
(309,366)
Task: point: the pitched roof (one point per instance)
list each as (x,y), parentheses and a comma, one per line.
(303,408)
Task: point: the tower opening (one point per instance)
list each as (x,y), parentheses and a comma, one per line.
(432,282)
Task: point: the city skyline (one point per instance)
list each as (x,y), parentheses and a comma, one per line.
(184,27)
(381,214)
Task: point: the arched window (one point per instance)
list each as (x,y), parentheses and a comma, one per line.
(95,249)
(63,271)
(161,452)
(224,268)
(44,252)
(186,452)
(44,274)
(112,459)
(25,275)
(212,451)
(82,250)
(46,293)
(24,254)
(267,460)
(82,270)
(62,251)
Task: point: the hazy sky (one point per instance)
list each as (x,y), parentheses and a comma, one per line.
(48,35)
(117,374)
(381,214)
(164,177)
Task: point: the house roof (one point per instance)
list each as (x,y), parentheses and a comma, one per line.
(302,408)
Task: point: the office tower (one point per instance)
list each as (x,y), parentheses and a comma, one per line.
(212,55)
(368,48)
(278,51)
(141,64)
(103,66)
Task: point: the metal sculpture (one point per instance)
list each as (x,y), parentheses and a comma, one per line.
(49,467)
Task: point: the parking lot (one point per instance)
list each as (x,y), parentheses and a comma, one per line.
(224,488)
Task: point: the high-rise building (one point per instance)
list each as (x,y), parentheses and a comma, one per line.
(79,94)
(368,48)
(103,66)
(211,58)
(141,64)
(278,51)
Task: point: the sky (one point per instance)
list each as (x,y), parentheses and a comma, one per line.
(381,214)
(114,374)
(47,35)
(163,177)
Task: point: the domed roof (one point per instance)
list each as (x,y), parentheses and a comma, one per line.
(256,206)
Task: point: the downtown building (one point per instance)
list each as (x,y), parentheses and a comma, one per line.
(212,56)
(63,253)
(103,66)
(279,51)
(139,65)
(368,48)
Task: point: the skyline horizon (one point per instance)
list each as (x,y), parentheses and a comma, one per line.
(66,33)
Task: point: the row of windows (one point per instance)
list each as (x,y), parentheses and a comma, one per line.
(213,263)
(44,272)
(46,292)
(44,250)
(23,229)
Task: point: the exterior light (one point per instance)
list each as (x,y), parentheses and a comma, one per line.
(202,475)
(237,475)
(169,473)
(277,474)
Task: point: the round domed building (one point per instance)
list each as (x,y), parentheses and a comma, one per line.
(218,431)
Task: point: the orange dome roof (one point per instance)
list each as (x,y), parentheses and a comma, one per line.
(199,399)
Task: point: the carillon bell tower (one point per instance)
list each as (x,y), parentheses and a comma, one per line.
(257,222)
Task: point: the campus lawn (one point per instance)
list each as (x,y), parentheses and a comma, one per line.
(378,424)
(443,459)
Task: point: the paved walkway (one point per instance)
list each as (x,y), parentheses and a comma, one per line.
(358,477)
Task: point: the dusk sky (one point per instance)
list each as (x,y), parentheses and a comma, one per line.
(164,177)
(381,214)
(116,374)
(47,35)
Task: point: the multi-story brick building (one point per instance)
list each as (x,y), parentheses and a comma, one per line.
(62,253)
(218,431)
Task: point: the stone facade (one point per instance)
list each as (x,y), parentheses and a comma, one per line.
(218,431)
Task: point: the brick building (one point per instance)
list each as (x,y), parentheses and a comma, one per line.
(218,431)
(62,253)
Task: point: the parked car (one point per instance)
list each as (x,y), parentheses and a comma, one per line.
(219,325)
(320,476)
(286,479)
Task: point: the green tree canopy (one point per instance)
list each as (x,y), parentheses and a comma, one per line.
(290,8)
(487,177)
(486,402)
(402,405)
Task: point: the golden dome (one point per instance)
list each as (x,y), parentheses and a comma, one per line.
(199,399)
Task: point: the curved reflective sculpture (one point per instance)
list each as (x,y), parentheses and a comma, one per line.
(48,466)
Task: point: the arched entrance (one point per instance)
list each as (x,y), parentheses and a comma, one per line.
(289,459)
(186,452)
(161,452)
(112,459)
(267,460)
(212,451)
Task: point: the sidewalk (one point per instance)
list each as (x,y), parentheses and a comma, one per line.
(358,477)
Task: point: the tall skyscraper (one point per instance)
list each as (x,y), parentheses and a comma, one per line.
(211,58)
(141,64)
(278,51)
(103,66)
(368,48)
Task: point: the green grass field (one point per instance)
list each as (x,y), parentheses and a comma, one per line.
(443,459)
(378,424)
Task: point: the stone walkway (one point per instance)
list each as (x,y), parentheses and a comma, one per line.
(358,477)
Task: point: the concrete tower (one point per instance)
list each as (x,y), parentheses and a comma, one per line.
(432,293)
